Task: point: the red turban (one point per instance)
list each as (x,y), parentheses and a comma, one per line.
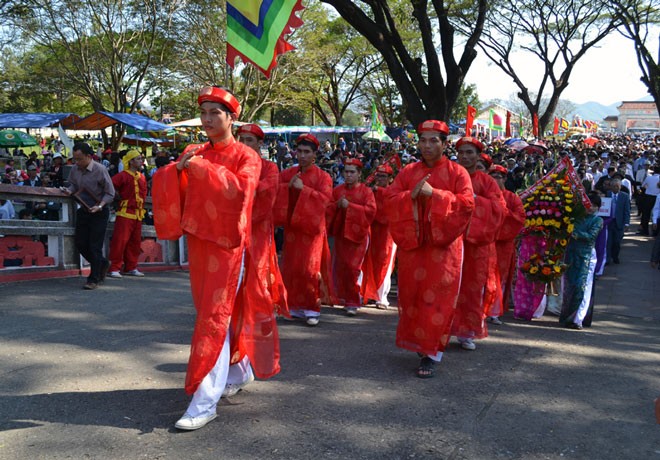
(433,125)
(472,141)
(308,138)
(497,169)
(221,96)
(251,128)
(385,169)
(353,162)
(486,159)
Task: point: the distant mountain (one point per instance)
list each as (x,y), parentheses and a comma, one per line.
(595,111)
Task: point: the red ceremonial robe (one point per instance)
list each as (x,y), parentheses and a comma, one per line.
(350,227)
(505,245)
(211,202)
(479,256)
(429,232)
(381,247)
(305,254)
(264,253)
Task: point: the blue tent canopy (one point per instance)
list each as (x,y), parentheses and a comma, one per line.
(101,120)
(35,120)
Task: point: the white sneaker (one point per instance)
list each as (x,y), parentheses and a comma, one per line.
(312,320)
(190,423)
(494,320)
(468,344)
(135,272)
(351,311)
(115,275)
(232,389)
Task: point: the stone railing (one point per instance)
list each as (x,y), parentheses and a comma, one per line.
(30,248)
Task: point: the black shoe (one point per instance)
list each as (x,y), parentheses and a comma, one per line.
(616,261)
(574,326)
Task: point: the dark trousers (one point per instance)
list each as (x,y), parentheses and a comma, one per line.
(90,235)
(646,203)
(614,238)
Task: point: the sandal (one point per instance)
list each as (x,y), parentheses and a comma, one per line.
(426,368)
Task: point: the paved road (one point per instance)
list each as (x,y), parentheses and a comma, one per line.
(99,375)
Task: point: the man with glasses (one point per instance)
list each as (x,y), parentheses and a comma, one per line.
(91,182)
(131,188)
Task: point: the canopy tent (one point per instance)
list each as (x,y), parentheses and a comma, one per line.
(101,120)
(315,129)
(192,123)
(36,120)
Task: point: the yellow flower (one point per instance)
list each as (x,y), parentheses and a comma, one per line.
(570,228)
(539,221)
(561,181)
(567,220)
(563,242)
(557,268)
(554,176)
(569,195)
(568,209)
(566,189)
(534,270)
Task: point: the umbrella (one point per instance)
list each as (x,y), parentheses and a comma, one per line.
(14,138)
(535,149)
(375,136)
(519,144)
(591,141)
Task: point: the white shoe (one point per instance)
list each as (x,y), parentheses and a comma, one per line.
(190,423)
(494,320)
(312,320)
(115,275)
(135,272)
(351,311)
(468,344)
(232,389)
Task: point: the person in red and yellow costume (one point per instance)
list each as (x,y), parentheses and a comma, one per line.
(429,207)
(480,255)
(505,244)
(264,253)
(379,262)
(349,216)
(208,195)
(131,186)
(304,193)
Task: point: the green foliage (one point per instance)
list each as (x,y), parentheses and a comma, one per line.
(467,96)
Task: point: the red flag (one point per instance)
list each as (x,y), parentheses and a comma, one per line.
(535,128)
(507,132)
(469,120)
(555,128)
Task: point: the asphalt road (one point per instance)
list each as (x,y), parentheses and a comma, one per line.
(99,374)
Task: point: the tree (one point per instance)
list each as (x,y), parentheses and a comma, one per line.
(425,91)
(467,96)
(106,49)
(344,60)
(557,33)
(637,17)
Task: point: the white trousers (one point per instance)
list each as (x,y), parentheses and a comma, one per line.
(208,393)
(384,288)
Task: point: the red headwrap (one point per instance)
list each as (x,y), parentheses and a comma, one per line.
(486,159)
(251,128)
(385,169)
(497,169)
(472,141)
(221,96)
(433,125)
(308,138)
(353,162)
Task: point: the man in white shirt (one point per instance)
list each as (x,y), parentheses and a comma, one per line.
(650,191)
